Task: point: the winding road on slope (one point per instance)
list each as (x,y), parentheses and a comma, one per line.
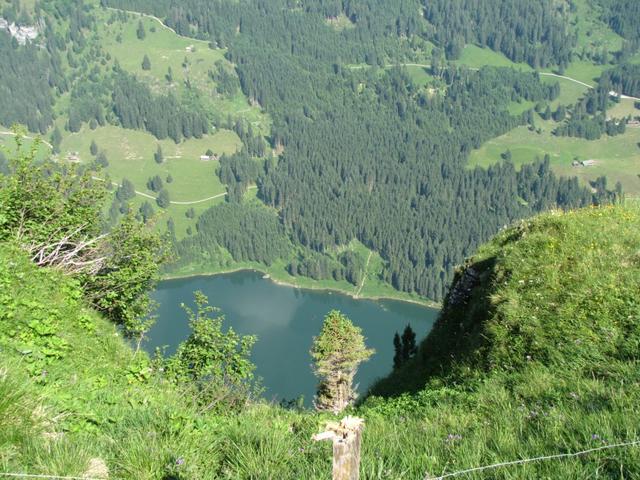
(545,74)
(13,134)
(153,17)
(364,277)
(194,202)
(357,67)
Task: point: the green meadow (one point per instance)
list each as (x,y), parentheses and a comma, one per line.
(419,74)
(570,91)
(624,108)
(474,56)
(617,157)
(190,61)
(8,145)
(131,155)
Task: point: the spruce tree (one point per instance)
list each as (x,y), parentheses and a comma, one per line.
(101,159)
(337,352)
(404,347)
(409,347)
(158,156)
(56,139)
(126,191)
(146,211)
(93,148)
(163,199)
(140,32)
(155,183)
(397,348)
(146,63)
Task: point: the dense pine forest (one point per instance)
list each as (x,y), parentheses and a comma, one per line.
(356,148)
(369,155)
(24,86)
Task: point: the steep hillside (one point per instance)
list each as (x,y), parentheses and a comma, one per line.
(558,291)
(535,354)
(70,388)
(536,350)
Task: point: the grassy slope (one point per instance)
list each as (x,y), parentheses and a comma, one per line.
(71,390)
(542,360)
(165,50)
(618,157)
(476,57)
(130,154)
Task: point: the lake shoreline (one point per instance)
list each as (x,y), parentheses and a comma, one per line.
(285,321)
(268,276)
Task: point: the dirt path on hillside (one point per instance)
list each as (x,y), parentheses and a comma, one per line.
(194,202)
(364,277)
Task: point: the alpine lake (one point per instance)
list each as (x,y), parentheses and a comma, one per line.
(285,320)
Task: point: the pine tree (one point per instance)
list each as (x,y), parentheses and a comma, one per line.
(126,191)
(146,211)
(171,226)
(337,352)
(93,148)
(397,347)
(101,159)
(158,156)
(163,199)
(56,139)
(155,183)
(140,32)
(146,63)
(409,347)
(404,347)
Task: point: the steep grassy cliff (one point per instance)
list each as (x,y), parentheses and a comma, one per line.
(536,353)
(536,350)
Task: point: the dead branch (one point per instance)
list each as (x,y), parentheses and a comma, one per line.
(70,254)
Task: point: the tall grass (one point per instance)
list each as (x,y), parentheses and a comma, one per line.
(541,360)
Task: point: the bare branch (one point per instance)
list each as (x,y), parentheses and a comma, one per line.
(70,254)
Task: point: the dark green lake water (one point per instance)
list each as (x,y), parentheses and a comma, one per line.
(285,320)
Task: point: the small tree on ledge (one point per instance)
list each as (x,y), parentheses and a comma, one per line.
(337,352)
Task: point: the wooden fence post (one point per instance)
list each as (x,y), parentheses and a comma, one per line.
(346,437)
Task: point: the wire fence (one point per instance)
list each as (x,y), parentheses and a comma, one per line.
(535,459)
(427,477)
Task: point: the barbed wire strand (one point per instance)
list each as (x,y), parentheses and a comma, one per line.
(427,477)
(536,459)
(50,477)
